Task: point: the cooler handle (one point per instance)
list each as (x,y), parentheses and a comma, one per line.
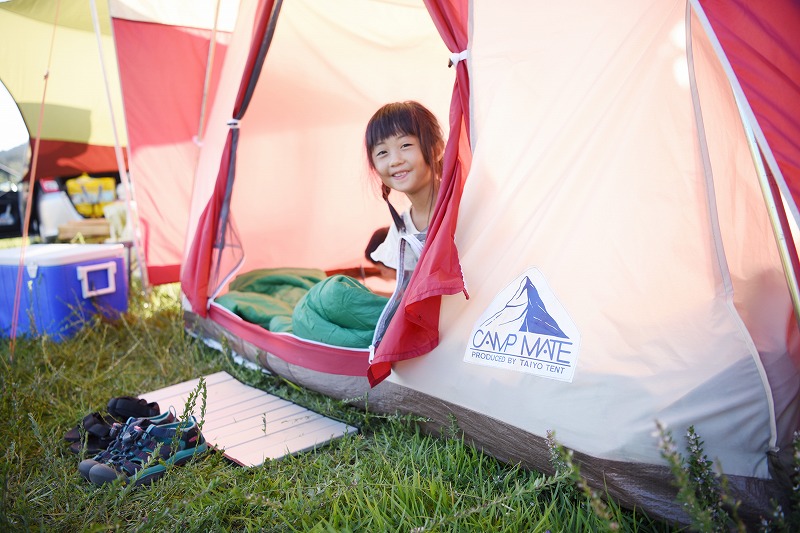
(111,270)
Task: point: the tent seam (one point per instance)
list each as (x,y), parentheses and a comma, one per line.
(713,214)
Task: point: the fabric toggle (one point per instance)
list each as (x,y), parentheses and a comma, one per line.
(455,57)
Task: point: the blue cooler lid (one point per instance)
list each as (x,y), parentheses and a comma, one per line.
(60,253)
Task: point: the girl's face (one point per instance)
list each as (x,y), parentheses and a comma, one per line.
(399,162)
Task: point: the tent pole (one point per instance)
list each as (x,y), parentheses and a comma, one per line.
(212,46)
(776,215)
(130,204)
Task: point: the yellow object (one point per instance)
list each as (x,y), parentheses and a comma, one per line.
(89,195)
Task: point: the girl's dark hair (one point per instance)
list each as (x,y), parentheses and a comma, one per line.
(406,118)
(376,240)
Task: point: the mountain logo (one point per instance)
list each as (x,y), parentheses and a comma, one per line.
(526,310)
(526,329)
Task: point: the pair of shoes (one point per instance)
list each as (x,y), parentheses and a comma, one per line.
(146,452)
(123,438)
(98,426)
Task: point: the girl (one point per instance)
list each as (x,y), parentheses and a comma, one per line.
(405,145)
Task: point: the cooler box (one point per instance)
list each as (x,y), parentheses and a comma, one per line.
(62,286)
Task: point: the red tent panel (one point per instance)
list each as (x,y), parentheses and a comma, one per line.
(162,129)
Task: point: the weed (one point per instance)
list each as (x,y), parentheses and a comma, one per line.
(698,487)
(561,460)
(705,495)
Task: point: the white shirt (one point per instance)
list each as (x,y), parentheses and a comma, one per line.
(388,252)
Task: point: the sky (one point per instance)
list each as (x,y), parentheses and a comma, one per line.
(12,128)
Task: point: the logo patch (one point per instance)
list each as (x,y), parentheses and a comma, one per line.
(526,329)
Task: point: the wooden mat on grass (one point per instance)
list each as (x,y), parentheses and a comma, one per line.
(247,424)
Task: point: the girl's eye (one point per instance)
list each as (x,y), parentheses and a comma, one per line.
(381,153)
(406,145)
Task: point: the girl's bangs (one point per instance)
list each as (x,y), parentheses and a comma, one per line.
(389,125)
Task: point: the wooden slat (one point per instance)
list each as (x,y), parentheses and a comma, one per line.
(298,441)
(247,424)
(185,387)
(91,229)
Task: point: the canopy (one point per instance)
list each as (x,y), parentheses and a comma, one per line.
(53,46)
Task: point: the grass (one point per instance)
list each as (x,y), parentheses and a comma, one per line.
(388,477)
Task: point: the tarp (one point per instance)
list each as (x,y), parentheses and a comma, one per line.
(169,73)
(56,41)
(154,47)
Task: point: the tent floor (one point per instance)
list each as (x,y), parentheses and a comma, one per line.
(248,425)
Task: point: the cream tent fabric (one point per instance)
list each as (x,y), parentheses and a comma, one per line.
(613,236)
(668,270)
(329,71)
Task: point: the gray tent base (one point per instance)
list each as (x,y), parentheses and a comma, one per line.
(648,487)
(248,425)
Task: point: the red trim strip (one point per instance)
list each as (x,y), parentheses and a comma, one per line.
(294,350)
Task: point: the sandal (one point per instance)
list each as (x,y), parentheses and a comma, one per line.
(97,429)
(124,438)
(94,424)
(125,407)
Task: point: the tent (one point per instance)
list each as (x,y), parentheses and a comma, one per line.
(89,106)
(608,246)
(614,205)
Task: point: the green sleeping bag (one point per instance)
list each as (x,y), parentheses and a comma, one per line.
(286,284)
(339,311)
(266,311)
(267,296)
